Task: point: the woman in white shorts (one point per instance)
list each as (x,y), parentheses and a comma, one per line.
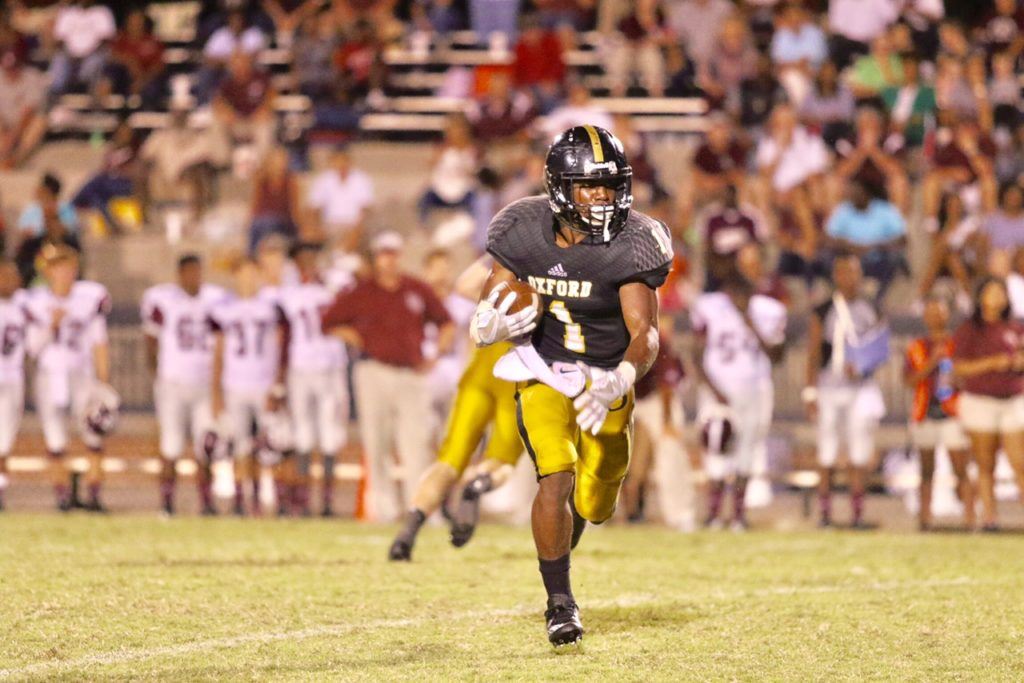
(988,361)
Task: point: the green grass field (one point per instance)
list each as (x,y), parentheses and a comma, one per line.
(193,599)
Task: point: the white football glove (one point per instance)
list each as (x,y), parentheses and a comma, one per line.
(606,387)
(492,323)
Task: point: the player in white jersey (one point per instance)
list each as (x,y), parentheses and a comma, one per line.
(179,350)
(13,321)
(317,397)
(246,377)
(68,337)
(740,335)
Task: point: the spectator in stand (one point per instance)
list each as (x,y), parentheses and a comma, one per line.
(116,179)
(565,15)
(136,64)
(911,104)
(243,107)
(539,67)
(681,73)
(313,57)
(288,15)
(180,162)
(953,93)
(875,231)
(753,101)
(489,17)
(437,16)
(501,114)
(22,113)
(1004,91)
(1009,163)
(928,371)
(275,200)
(1002,231)
(988,363)
(854,24)
(732,60)
(798,49)
(237,35)
(829,106)
(879,69)
(1003,30)
(453,170)
(863,159)
(337,203)
(791,161)
(578,109)
(719,163)
(797,42)
(83,30)
(47,207)
(634,49)
(962,162)
(724,231)
(750,263)
(359,61)
(956,251)
(385,317)
(30,257)
(697,24)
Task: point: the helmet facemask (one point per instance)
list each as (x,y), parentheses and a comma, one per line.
(599,222)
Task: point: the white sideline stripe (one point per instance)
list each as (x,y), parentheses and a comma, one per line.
(124,656)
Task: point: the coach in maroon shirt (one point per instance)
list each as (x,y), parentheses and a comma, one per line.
(386,316)
(988,363)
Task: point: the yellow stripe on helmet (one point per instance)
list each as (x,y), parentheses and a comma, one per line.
(595,143)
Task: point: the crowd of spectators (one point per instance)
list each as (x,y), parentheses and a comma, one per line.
(843,125)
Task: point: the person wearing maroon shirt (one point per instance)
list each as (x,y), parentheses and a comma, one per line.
(137,60)
(539,67)
(384,316)
(719,163)
(988,362)
(242,107)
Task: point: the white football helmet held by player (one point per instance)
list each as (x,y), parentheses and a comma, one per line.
(217,442)
(102,410)
(275,438)
(716,432)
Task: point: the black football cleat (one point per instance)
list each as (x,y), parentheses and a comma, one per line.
(327,512)
(96,506)
(208,511)
(467,512)
(563,618)
(400,551)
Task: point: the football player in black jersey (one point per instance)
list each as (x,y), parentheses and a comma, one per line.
(596,264)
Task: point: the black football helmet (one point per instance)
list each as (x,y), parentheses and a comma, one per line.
(589,155)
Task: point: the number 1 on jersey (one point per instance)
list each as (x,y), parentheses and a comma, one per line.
(574,340)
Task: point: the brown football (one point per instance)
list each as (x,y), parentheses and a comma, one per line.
(525,295)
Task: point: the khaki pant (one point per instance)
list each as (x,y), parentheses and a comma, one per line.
(394,417)
(677,497)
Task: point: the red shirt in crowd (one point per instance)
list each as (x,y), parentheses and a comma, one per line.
(246,96)
(145,52)
(391,323)
(972,341)
(539,61)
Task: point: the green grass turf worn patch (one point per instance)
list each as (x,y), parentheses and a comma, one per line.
(86,598)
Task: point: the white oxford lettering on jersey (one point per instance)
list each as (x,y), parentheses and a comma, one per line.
(565,289)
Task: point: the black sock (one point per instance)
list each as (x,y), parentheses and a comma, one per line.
(555,574)
(414,519)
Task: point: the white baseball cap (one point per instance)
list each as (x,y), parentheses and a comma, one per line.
(389,240)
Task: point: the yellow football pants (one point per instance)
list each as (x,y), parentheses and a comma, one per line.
(547,425)
(480,400)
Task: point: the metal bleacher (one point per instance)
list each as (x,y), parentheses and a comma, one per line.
(410,107)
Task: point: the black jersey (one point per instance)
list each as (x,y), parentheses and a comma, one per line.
(582,317)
